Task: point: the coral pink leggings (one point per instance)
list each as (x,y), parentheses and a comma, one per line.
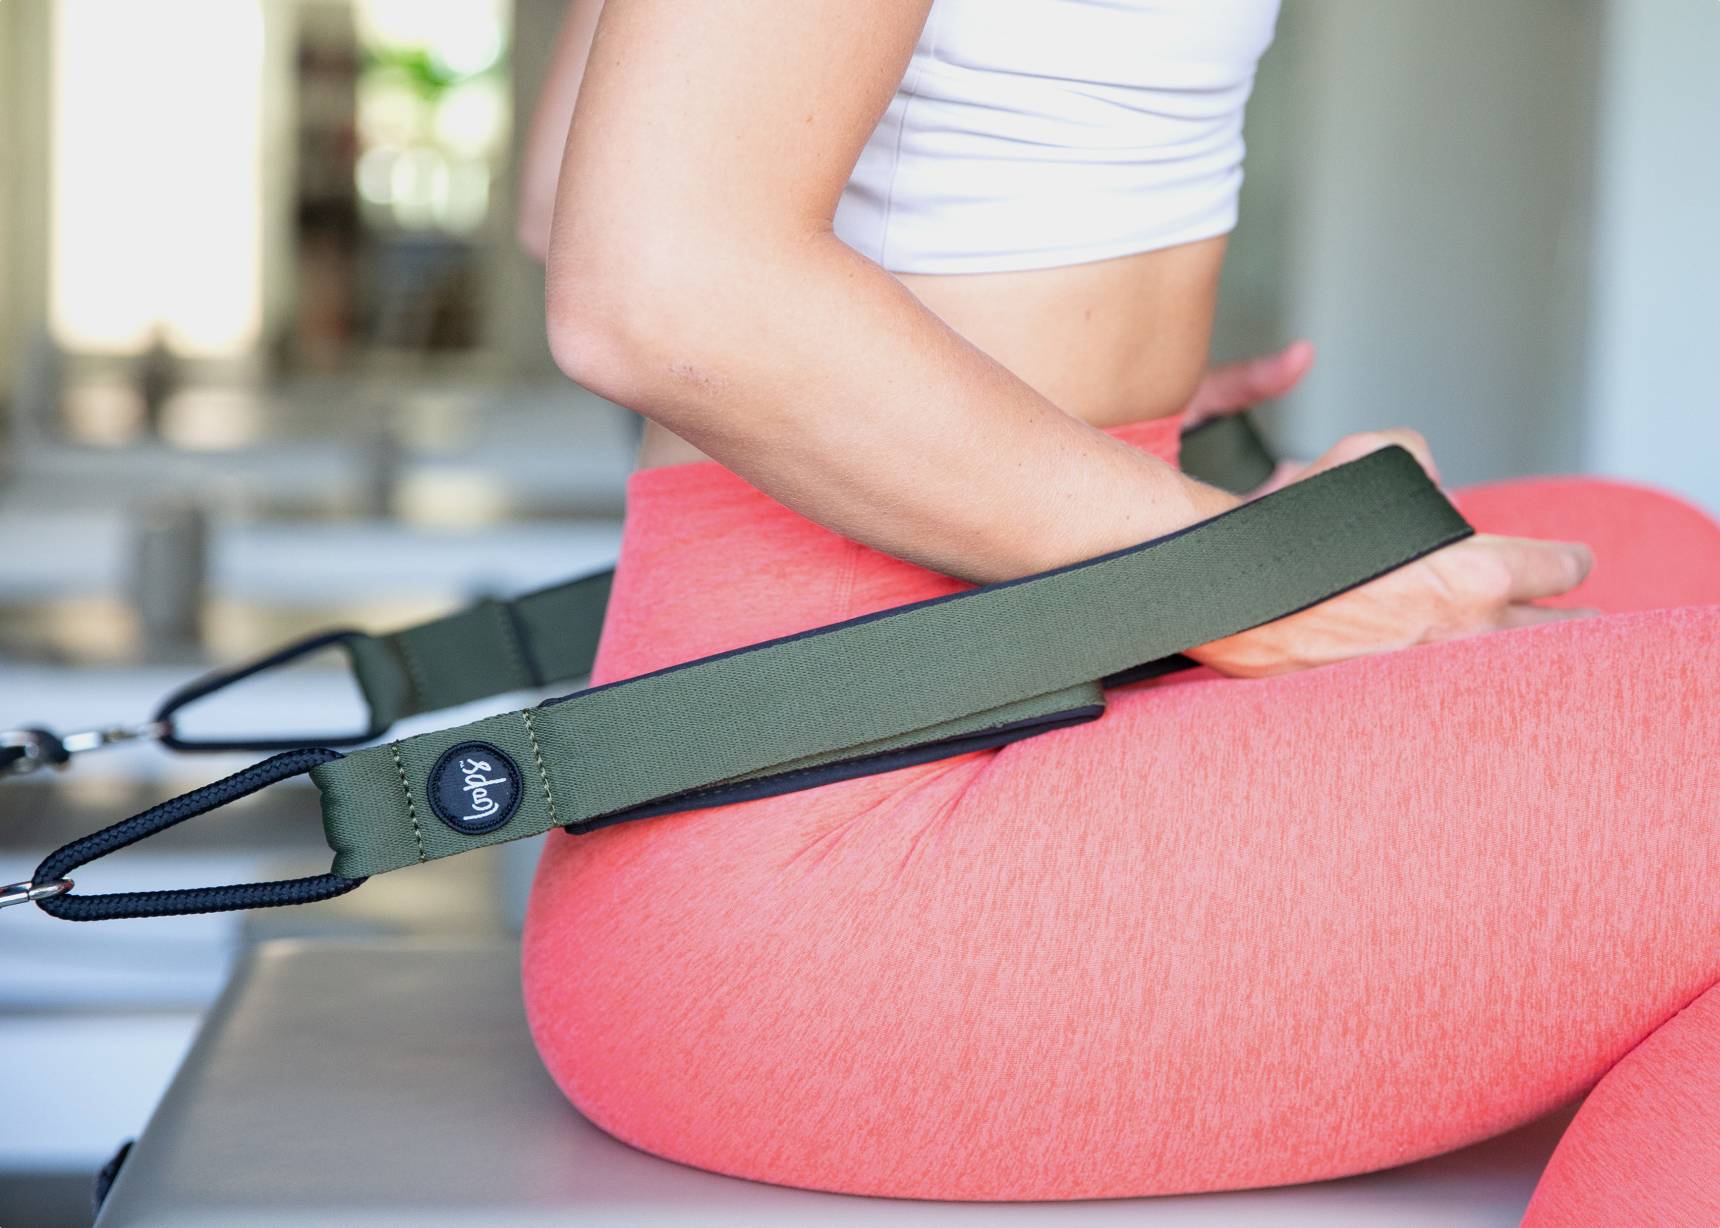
(1234,933)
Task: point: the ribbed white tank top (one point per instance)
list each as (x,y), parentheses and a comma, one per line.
(1033,133)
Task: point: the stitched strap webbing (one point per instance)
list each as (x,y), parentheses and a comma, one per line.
(550,636)
(937,677)
(544,637)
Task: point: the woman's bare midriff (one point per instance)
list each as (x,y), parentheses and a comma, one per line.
(1110,342)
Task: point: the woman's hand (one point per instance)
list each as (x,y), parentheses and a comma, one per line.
(1482,583)
(1237,387)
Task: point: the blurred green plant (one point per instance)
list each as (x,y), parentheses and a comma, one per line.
(419,69)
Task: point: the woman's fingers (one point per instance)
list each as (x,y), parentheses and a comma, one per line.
(1237,386)
(1283,473)
(1354,447)
(1532,615)
(1484,582)
(1535,568)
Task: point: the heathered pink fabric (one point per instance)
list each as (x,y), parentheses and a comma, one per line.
(1645,1147)
(1235,933)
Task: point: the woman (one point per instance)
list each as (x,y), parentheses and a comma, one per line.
(914,295)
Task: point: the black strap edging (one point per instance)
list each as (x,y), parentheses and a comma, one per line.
(63,860)
(845,769)
(882,761)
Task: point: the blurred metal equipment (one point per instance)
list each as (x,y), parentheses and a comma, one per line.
(157,375)
(23,751)
(38,389)
(439,1113)
(168,575)
(384,462)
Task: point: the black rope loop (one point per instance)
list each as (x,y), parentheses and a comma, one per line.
(168,711)
(276,894)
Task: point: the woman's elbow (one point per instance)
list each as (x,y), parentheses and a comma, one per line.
(598,335)
(642,337)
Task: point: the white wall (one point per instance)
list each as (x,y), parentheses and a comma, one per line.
(1655,379)
(1426,203)
(1419,185)
(1498,223)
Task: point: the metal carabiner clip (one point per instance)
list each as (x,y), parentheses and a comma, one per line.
(23,751)
(28,892)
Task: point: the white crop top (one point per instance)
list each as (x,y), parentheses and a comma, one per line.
(1033,133)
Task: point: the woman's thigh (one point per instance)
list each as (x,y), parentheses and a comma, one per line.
(1234,933)
(1375,911)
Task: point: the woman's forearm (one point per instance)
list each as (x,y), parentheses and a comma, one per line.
(816,376)
(694,277)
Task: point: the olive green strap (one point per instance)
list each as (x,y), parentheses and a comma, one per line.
(550,636)
(547,637)
(1227,451)
(540,639)
(907,684)
(543,638)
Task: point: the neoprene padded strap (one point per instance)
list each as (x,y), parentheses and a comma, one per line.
(1021,653)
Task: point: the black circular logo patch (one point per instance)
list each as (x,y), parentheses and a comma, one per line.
(474,788)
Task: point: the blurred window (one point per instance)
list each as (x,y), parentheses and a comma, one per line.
(155,176)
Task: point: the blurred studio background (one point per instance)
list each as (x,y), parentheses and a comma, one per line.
(271,362)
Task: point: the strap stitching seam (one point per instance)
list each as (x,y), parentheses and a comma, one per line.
(543,772)
(414,673)
(411,810)
(511,641)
